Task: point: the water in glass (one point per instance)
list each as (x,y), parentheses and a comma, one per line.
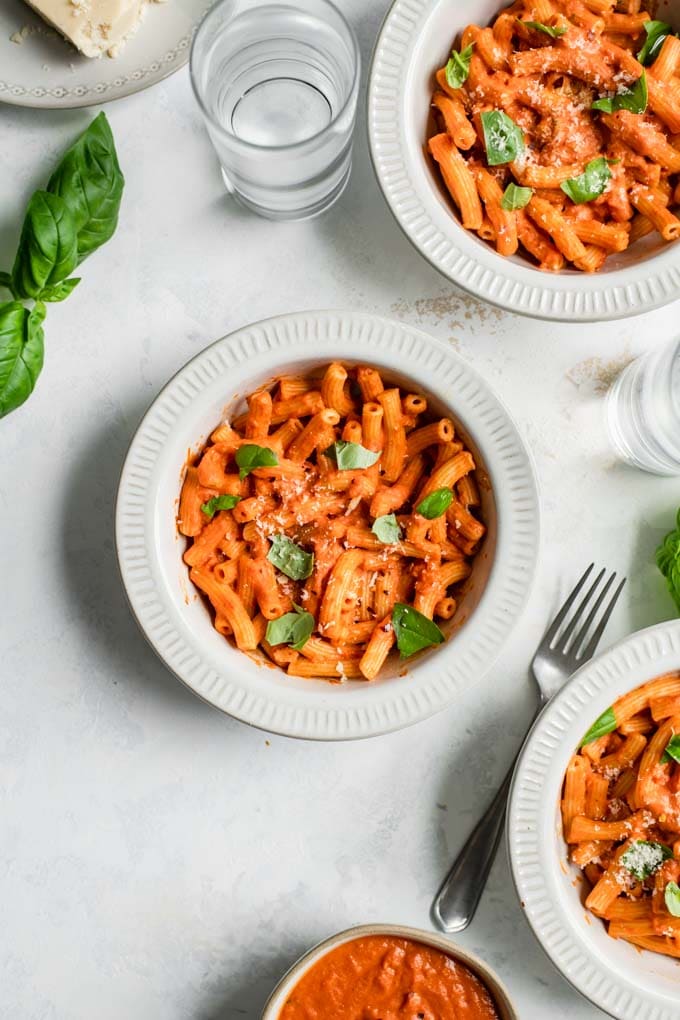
(277,82)
(643,411)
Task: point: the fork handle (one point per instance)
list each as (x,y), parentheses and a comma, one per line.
(456,902)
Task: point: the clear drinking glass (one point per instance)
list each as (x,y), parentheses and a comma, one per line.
(277,83)
(643,411)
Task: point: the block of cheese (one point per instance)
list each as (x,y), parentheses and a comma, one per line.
(93,26)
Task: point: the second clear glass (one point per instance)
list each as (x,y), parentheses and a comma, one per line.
(643,411)
(277,83)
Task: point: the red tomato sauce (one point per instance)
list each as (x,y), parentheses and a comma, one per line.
(381,977)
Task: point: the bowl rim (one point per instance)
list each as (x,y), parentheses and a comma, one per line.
(532,803)
(261,348)
(458,255)
(429,938)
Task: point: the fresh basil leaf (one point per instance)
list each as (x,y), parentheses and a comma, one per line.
(48,248)
(60,291)
(668,561)
(590,184)
(672,752)
(251,456)
(289,558)
(605,724)
(671,895)
(503,139)
(656,33)
(90,181)
(554,31)
(435,504)
(633,99)
(515,197)
(643,858)
(458,67)
(21,353)
(6,282)
(294,629)
(349,456)
(219,503)
(387,529)
(413,630)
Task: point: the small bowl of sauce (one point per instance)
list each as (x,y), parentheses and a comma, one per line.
(384,972)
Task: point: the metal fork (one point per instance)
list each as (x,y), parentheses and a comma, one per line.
(558,656)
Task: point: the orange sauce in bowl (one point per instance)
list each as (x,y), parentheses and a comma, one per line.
(382,977)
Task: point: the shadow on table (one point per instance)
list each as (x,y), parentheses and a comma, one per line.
(249,991)
(89,563)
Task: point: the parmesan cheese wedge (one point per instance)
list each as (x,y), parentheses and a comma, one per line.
(94,27)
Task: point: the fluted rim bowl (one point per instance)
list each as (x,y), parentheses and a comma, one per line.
(416,39)
(176,621)
(499,992)
(626,982)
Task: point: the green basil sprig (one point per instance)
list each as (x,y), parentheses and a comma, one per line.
(643,858)
(503,139)
(554,31)
(224,502)
(668,561)
(251,456)
(656,33)
(90,181)
(63,224)
(633,98)
(351,456)
(516,197)
(458,67)
(672,751)
(671,895)
(290,558)
(387,529)
(413,631)
(294,629)
(590,184)
(21,352)
(605,724)
(435,504)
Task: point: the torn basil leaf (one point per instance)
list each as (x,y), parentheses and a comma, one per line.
(219,503)
(633,98)
(413,631)
(503,139)
(590,184)
(250,456)
(516,197)
(387,529)
(605,724)
(656,33)
(290,558)
(435,504)
(349,456)
(643,858)
(294,629)
(671,895)
(672,752)
(554,31)
(458,67)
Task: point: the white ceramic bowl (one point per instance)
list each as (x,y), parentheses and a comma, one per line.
(176,621)
(499,992)
(415,40)
(617,977)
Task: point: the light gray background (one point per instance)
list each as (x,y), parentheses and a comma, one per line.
(158,860)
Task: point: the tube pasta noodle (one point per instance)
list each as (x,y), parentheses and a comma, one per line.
(621,815)
(297,492)
(546,80)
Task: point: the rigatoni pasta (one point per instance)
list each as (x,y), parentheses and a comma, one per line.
(332,520)
(556,131)
(621,815)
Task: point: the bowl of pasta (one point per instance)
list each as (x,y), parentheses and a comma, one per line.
(318,542)
(530,152)
(594,827)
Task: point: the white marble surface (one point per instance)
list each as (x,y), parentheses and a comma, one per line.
(158,860)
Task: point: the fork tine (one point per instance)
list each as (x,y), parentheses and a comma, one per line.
(595,639)
(583,632)
(569,629)
(557,622)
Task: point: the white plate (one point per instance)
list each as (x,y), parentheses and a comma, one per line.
(46,71)
(415,40)
(176,621)
(623,981)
